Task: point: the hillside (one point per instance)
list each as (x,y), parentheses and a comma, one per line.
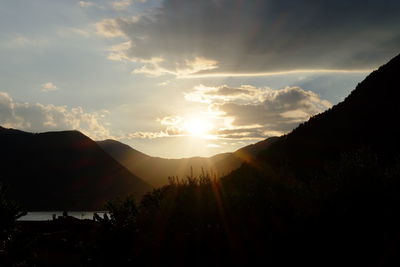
(326,194)
(156,171)
(62,170)
(365,120)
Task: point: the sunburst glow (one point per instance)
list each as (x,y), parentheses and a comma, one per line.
(198,127)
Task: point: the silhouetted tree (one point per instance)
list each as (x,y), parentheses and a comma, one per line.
(10,211)
(117,235)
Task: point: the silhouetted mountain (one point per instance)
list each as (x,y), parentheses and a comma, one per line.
(367,119)
(62,170)
(328,192)
(156,171)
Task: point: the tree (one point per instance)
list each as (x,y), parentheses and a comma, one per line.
(10,211)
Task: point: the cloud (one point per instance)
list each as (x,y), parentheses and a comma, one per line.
(223,94)
(71,31)
(19,40)
(157,66)
(240,113)
(109,28)
(121,5)
(256,113)
(170,131)
(144,135)
(170,120)
(6,108)
(40,118)
(175,126)
(117,52)
(49,86)
(86,4)
(233,37)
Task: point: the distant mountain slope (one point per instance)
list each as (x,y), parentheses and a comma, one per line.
(62,170)
(156,170)
(366,120)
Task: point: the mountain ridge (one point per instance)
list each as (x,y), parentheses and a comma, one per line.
(360,122)
(66,168)
(150,167)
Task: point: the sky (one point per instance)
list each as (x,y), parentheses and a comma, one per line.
(178,78)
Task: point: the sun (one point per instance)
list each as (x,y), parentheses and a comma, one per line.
(198,127)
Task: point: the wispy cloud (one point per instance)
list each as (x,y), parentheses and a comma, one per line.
(273,73)
(118,52)
(144,135)
(86,3)
(20,40)
(121,5)
(156,66)
(70,31)
(109,28)
(49,86)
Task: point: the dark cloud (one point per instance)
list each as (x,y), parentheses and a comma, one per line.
(261,35)
(255,133)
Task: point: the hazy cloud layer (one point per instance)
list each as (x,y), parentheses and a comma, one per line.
(40,118)
(232,36)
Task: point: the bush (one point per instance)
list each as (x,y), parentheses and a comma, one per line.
(10,211)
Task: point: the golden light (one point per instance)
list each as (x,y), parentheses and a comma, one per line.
(198,127)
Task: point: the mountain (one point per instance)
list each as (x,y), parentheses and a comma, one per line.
(156,170)
(327,193)
(366,120)
(62,170)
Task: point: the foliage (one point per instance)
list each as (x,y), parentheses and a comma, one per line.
(10,211)
(117,234)
(123,212)
(257,216)
(263,215)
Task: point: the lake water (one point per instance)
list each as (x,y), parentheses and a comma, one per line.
(48,215)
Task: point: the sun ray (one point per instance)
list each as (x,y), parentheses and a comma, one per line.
(198,127)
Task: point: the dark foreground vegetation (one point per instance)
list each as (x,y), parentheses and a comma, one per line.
(347,216)
(327,194)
